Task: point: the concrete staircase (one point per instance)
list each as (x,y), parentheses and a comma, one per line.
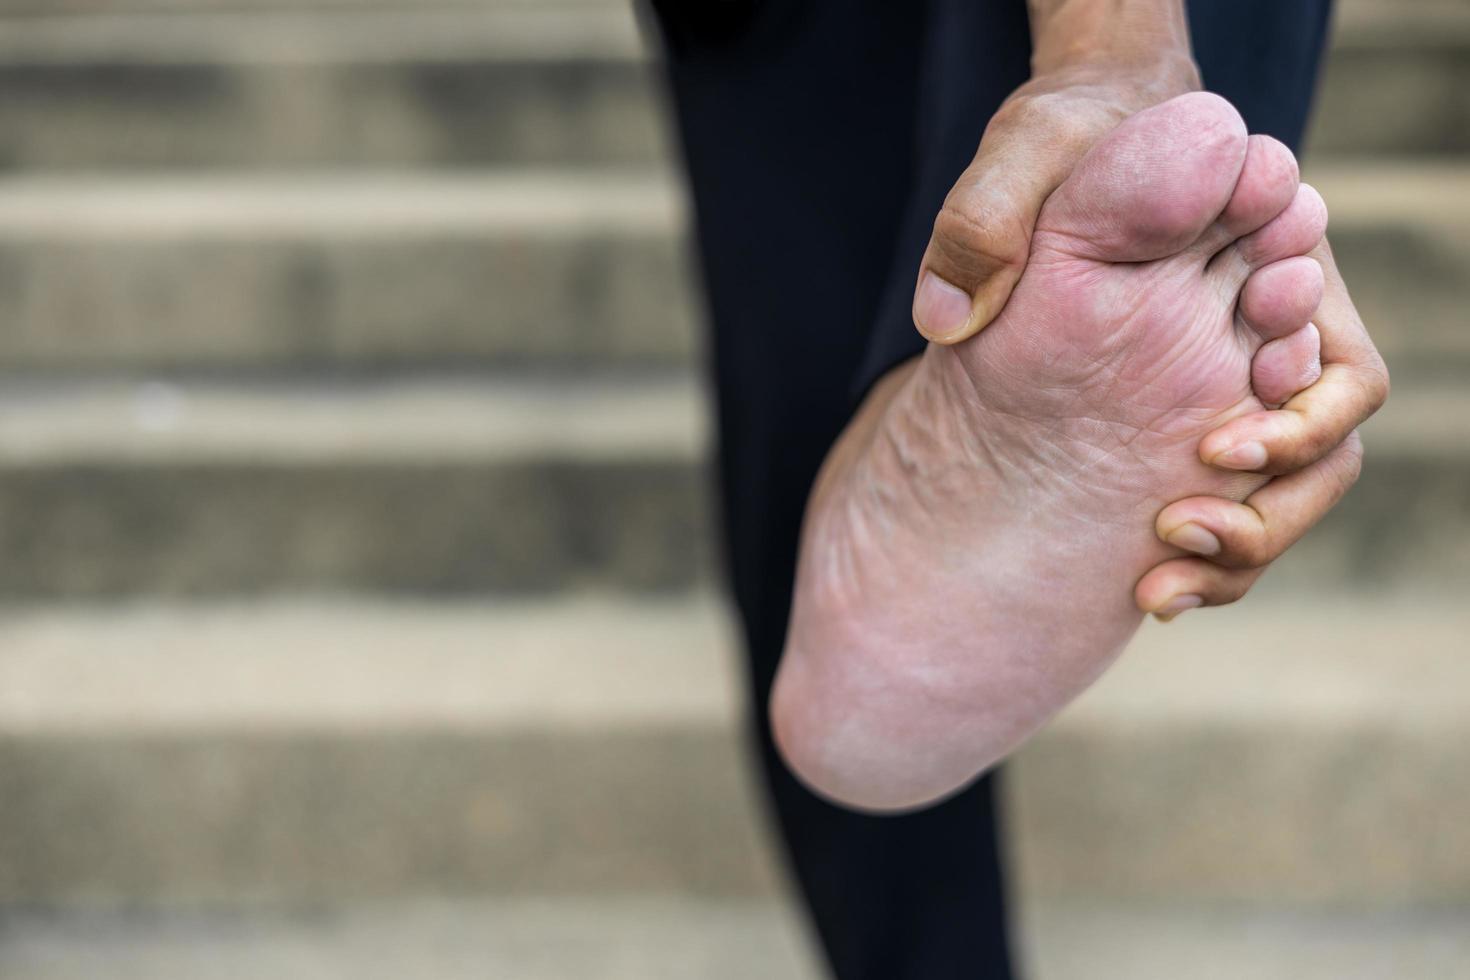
(359,607)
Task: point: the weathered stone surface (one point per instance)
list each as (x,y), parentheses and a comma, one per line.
(375,89)
(1401,234)
(342,274)
(1224,759)
(410,488)
(664,937)
(238,85)
(1288,752)
(1396,82)
(469,486)
(306,753)
(353,274)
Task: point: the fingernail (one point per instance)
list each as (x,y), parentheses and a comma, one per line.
(1177,605)
(1192,537)
(940,308)
(1246,456)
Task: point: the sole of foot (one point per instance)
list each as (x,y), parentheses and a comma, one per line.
(970,551)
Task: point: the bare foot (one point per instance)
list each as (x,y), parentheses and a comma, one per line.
(971,550)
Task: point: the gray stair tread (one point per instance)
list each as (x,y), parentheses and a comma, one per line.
(35,8)
(1123,941)
(589,661)
(515,32)
(467,485)
(241,118)
(394,87)
(645,200)
(621,938)
(327,31)
(1349,11)
(358,271)
(547,201)
(653,937)
(343,270)
(431,486)
(660,417)
(1361,192)
(1325,661)
(1245,754)
(257,85)
(1369,23)
(656,416)
(253,754)
(574,664)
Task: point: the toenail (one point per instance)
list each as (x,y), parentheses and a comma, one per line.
(1246,456)
(1177,605)
(1192,537)
(940,308)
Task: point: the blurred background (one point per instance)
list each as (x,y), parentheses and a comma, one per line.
(359,615)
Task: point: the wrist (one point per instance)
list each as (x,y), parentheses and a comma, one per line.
(1128,85)
(1137,37)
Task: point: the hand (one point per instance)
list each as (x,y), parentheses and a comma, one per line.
(982,235)
(1310,444)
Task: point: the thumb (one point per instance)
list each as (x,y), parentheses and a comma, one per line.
(982,235)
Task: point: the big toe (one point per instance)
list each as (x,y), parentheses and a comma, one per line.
(1152,186)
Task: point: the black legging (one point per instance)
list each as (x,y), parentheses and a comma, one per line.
(821,137)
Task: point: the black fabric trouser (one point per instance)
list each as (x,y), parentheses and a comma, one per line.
(820,138)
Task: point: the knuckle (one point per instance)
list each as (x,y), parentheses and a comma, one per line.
(1248,543)
(977,236)
(1376,384)
(1054,119)
(1230,588)
(1313,441)
(1324,440)
(1346,465)
(1255,548)
(1022,111)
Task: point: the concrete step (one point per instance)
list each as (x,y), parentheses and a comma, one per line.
(342,272)
(493,84)
(1397,81)
(1162,941)
(236,755)
(52,8)
(1401,234)
(316,751)
(476,484)
(360,273)
(1346,8)
(1298,750)
(632,937)
(641,937)
(344,85)
(446,486)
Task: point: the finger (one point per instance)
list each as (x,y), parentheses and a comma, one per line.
(1354,385)
(1182,584)
(1257,532)
(982,235)
(1286,366)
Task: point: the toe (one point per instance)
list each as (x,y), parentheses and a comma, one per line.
(1152,186)
(1286,366)
(1282,298)
(1293,232)
(1268,183)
